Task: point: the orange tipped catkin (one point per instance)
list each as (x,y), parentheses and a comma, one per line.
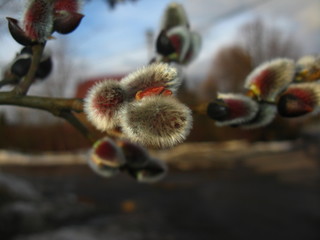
(269,79)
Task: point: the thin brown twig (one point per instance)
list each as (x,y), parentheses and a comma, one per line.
(8,81)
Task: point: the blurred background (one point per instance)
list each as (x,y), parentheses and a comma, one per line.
(117,37)
(224,183)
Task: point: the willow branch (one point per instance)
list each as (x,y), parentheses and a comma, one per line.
(23,87)
(74,121)
(60,107)
(8,80)
(52,105)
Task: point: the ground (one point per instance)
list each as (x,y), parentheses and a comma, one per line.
(251,196)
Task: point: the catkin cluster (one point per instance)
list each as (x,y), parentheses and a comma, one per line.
(42,17)
(281,86)
(142,105)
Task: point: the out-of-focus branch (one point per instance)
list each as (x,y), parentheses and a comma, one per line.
(74,121)
(23,87)
(52,105)
(9,80)
(60,107)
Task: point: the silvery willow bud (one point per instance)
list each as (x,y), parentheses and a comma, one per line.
(106,158)
(103,104)
(308,69)
(156,121)
(266,114)
(153,76)
(269,79)
(36,25)
(174,15)
(232,109)
(300,99)
(136,155)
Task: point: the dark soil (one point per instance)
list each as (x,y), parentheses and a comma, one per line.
(220,204)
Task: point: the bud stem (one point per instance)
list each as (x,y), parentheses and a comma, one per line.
(23,87)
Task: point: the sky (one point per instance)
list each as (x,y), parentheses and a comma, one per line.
(114,41)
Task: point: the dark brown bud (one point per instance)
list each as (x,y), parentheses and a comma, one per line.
(154,171)
(17,33)
(66,22)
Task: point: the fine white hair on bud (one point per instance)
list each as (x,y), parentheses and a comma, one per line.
(232,109)
(300,99)
(174,15)
(308,69)
(156,121)
(152,172)
(105,157)
(103,104)
(151,76)
(270,78)
(266,114)
(194,48)
(180,39)
(38,20)
(306,61)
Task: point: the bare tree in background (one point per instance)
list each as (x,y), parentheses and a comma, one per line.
(264,42)
(231,65)
(257,43)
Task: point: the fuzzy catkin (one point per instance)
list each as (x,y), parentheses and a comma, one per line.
(241,109)
(153,75)
(270,78)
(103,104)
(38,20)
(156,121)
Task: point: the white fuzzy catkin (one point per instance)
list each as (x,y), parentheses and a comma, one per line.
(313,88)
(194,49)
(156,121)
(250,106)
(265,115)
(308,69)
(42,11)
(282,71)
(174,15)
(306,61)
(153,75)
(182,33)
(109,92)
(108,165)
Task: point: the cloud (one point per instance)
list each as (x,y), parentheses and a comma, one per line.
(111,41)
